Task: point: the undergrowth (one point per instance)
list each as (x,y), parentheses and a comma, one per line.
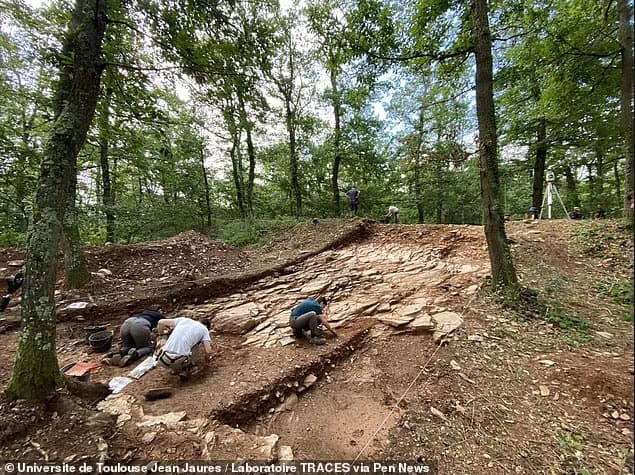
(607,240)
(242,233)
(621,292)
(527,304)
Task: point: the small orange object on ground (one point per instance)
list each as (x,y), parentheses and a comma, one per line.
(80,369)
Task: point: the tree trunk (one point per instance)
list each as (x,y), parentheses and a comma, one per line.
(418,190)
(539,163)
(438,178)
(418,165)
(251,154)
(336,143)
(165,174)
(618,185)
(293,155)
(503,271)
(36,372)
(75,267)
(237,173)
(286,88)
(599,168)
(208,207)
(108,197)
(571,186)
(626,98)
(591,179)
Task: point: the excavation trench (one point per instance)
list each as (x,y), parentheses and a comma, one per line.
(175,295)
(385,292)
(388,294)
(296,381)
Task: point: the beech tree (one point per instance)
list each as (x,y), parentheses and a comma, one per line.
(503,270)
(36,372)
(625,15)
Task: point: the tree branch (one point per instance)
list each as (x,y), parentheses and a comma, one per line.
(419,55)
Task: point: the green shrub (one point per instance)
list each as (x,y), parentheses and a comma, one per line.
(241,233)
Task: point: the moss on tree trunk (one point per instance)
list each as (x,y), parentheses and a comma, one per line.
(75,267)
(36,373)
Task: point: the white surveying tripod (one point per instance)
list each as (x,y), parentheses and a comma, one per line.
(548,196)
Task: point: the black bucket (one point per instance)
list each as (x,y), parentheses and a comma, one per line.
(100,327)
(100,341)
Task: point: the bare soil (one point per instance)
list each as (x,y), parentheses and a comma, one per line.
(504,393)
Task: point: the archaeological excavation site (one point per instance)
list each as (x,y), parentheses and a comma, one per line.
(427,364)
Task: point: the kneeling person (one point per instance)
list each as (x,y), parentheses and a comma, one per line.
(309,315)
(136,336)
(182,351)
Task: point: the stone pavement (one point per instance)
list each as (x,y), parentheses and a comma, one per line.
(402,286)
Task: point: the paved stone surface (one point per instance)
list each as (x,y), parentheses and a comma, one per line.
(401,285)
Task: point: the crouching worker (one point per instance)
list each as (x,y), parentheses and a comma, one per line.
(136,336)
(188,347)
(310,315)
(14,282)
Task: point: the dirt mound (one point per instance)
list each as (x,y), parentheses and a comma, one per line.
(186,256)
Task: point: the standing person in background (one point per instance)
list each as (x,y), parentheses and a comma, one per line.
(393,212)
(353,199)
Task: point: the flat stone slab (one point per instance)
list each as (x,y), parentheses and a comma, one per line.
(445,323)
(263,325)
(423,323)
(168,419)
(282,319)
(395,320)
(410,310)
(237,325)
(287,340)
(227,443)
(467,268)
(238,320)
(361,307)
(315,287)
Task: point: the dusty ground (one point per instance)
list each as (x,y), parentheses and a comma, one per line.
(506,394)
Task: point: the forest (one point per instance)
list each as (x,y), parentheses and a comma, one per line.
(192,158)
(237,116)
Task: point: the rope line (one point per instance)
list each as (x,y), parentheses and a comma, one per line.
(397,403)
(464,310)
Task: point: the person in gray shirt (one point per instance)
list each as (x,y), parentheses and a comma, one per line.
(353,199)
(136,336)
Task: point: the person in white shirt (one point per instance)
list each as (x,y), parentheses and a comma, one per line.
(183,352)
(393,211)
